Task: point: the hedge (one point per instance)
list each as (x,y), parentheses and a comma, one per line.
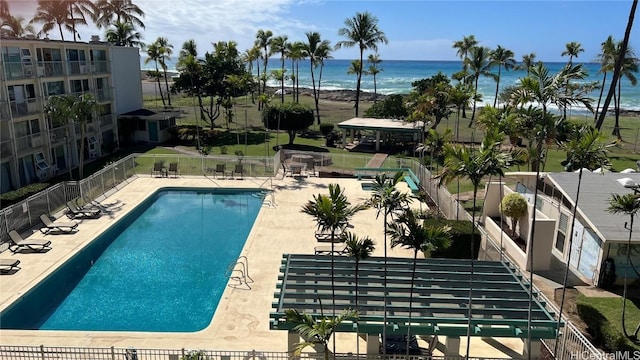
(461,237)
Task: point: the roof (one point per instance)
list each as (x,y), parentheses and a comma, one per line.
(595,193)
(441,293)
(381,124)
(149,114)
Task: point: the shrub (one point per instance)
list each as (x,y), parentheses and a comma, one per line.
(291,117)
(392,107)
(326,129)
(460,239)
(514,206)
(12,197)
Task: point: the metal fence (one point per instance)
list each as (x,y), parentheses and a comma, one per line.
(113,353)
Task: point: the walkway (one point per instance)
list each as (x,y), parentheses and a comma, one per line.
(377,160)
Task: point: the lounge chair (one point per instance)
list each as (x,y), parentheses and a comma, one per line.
(74,211)
(173,168)
(18,243)
(326,249)
(7,265)
(238,170)
(49,225)
(325,235)
(287,170)
(158,168)
(220,169)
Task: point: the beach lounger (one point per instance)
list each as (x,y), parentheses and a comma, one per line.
(7,265)
(65,227)
(75,211)
(325,235)
(18,243)
(326,249)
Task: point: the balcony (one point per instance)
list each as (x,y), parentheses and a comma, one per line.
(57,135)
(5,115)
(103,94)
(50,68)
(91,128)
(78,67)
(99,67)
(24,108)
(29,142)
(6,149)
(18,70)
(106,120)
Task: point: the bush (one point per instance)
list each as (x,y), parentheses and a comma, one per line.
(460,239)
(12,197)
(604,333)
(392,107)
(514,206)
(326,129)
(291,117)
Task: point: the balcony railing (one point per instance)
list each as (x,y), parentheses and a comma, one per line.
(50,68)
(106,120)
(99,67)
(18,70)
(91,128)
(6,149)
(103,94)
(78,67)
(29,142)
(57,135)
(5,115)
(24,107)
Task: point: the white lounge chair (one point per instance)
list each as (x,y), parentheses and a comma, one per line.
(326,249)
(18,243)
(7,265)
(65,227)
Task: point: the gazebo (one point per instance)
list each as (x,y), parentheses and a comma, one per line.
(500,299)
(380,126)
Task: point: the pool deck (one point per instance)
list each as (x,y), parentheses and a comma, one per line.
(241,321)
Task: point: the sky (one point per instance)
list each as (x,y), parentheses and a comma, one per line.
(416,29)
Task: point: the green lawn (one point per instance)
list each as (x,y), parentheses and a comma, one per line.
(611,309)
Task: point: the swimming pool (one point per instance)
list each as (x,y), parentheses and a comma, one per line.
(160,268)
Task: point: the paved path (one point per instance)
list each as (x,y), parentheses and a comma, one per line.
(377,160)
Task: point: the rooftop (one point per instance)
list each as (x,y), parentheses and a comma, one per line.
(381,124)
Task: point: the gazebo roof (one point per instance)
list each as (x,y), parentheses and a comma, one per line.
(394,125)
(500,298)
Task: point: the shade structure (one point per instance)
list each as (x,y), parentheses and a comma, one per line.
(500,297)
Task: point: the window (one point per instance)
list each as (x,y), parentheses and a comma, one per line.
(41,162)
(562,232)
(79,86)
(54,88)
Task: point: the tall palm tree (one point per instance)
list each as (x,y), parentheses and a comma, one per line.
(464,46)
(460,95)
(251,55)
(585,150)
(115,11)
(332,213)
(165,50)
(479,65)
(153,54)
(59,110)
(462,162)
(316,331)
(52,14)
(411,233)
(527,62)
(628,204)
(16,26)
(123,34)
(316,50)
(572,49)
(83,9)
(362,31)
(503,58)
(263,41)
(83,110)
(618,64)
(295,52)
(606,59)
(628,69)
(374,69)
(387,200)
(279,45)
(358,249)
(189,48)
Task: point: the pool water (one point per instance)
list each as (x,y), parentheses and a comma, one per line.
(164,269)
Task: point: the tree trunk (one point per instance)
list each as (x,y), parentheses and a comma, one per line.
(475,95)
(83,131)
(495,99)
(604,80)
(359,81)
(384,286)
(473,248)
(625,286)
(159,85)
(318,95)
(166,84)
(413,279)
(616,101)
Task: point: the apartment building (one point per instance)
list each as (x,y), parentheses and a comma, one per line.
(32,147)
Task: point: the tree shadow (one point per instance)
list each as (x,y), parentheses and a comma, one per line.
(301,147)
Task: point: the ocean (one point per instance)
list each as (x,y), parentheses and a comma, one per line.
(397,75)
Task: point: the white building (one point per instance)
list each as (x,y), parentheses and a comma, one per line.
(32,148)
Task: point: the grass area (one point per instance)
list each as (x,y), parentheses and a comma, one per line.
(611,309)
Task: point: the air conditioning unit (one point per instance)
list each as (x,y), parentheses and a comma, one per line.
(36,142)
(83,69)
(28,71)
(41,71)
(42,175)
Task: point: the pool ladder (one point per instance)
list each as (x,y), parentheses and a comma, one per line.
(239,272)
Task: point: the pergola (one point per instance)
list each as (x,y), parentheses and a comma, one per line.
(379,126)
(500,299)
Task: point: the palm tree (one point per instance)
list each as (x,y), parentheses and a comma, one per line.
(123,34)
(59,112)
(527,62)
(585,150)
(279,45)
(462,162)
(115,11)
(460,95)
(387,200)
(359,249)
(607,60)
(501,57)
(628,69)
(165,50)
(618,64)
(479,64)
(407,231)
(354,68)
(572,49)
(374,69)
(189,48)
(361,30)
(295,52)
(153,54)
(316,331)
(263,40)
(316,50)
(332,213)
(628,204)
(464,46)
(82,111)
(16,26)
(83,9)
(52,14)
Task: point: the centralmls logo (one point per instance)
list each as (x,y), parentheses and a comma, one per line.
(616,355)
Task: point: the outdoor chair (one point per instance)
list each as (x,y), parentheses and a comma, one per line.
(287,170)
(173,168)
(18,243)
(49,226)
(220,169)
(158,168)
(238,170)
(326,250)
(325,236)
(74,211)
(7,265)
